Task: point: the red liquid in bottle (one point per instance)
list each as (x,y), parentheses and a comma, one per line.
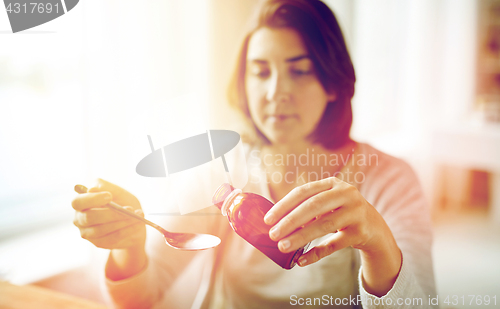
(245,212)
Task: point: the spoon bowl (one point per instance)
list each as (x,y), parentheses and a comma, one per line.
(181,241)
(192,241)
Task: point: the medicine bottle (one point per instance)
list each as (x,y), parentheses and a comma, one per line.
(245,212)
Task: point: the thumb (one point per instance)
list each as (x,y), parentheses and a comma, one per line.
(100,185)
(120,195)
(139,212)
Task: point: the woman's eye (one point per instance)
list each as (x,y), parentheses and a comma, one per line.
(261,73)
(301,72)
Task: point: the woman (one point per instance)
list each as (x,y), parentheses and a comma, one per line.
(368,226)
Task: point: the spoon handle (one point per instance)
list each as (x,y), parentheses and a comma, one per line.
(82,189)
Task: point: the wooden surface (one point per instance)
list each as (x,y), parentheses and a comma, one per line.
(27,297)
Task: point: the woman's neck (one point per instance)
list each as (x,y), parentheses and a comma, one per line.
(303,156)
(296,148)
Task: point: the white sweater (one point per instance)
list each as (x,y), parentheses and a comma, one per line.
(236,275)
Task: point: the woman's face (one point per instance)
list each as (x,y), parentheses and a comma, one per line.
(285,98)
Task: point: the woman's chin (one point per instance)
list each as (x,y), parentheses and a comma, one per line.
(281,138)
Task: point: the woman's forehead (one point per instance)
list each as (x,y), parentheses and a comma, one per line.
(275,44)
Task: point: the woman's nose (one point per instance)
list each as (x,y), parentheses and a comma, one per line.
(279,89)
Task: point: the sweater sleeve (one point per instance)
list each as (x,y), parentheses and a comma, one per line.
(148,288)
(394,190)
(140,291)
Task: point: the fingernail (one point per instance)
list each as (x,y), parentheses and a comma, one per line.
(268,219)
(285,244)
(274,232)
(107,197)
(302,261)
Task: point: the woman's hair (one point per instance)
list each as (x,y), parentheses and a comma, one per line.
(320,31)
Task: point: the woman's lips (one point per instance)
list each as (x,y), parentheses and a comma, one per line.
(280,117)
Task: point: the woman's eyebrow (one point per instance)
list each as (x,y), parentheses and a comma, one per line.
(260,61)
(293,59)
(297,58)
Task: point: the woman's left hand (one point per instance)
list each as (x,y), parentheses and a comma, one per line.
(323,207)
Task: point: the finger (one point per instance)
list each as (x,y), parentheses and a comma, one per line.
(139,212)
(91,200)
(96,216)
(135,234)
(102,230)
(338,241)
(121,238)
(131,209)
(295,197)
(313,207)
(330,223)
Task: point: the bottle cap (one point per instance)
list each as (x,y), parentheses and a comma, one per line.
(221,193)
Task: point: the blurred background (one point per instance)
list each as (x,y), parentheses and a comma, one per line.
(74,94)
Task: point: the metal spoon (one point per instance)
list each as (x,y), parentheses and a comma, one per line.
(182,241)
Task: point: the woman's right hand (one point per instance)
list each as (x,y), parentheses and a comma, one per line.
(104,227)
